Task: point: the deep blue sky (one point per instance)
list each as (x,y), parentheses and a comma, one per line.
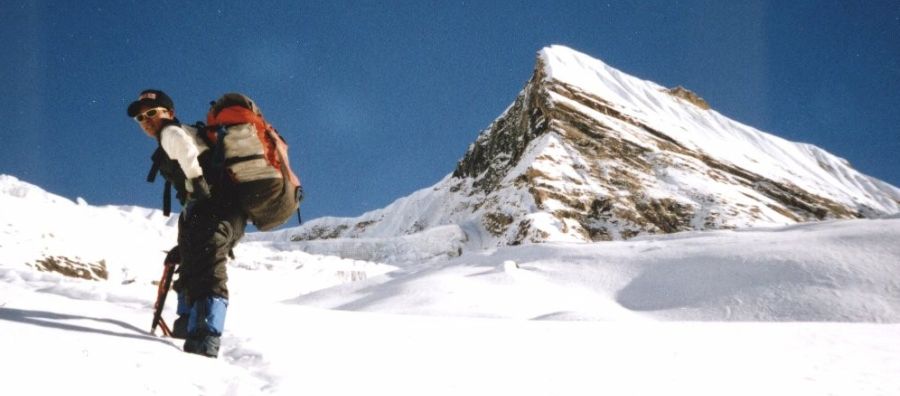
(380,99)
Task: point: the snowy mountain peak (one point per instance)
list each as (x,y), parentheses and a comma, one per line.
(587,152)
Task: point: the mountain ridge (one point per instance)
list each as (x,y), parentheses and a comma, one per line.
(588,153)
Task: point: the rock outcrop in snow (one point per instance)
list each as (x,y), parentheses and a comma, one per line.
(589,153)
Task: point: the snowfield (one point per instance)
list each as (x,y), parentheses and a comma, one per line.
(811,309)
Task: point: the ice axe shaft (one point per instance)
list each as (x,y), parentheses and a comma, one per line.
(165,283)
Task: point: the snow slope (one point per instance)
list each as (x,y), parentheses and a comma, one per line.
(708,131)
(803,310)
(834,271)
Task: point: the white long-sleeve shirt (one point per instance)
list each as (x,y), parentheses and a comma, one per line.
(185,147)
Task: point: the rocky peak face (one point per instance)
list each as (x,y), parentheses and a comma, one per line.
(588,153)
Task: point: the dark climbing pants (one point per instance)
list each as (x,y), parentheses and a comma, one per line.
(207,231)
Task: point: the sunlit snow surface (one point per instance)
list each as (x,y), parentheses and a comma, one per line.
(803,310)
(438,309)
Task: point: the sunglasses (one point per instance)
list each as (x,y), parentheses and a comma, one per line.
(152,113)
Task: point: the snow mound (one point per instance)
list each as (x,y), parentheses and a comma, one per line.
(832,271)
(13,188)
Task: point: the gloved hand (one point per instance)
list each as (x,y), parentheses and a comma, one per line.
(173,257)
(197,189)
(299,194)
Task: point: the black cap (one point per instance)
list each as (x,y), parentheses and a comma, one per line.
(150,98)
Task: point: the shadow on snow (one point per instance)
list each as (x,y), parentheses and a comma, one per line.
(56,321)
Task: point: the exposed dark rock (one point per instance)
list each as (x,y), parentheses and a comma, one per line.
(500,147)
(684,93)
(666,214)
(534,113)
(497,223)
(320,232)
(73,268)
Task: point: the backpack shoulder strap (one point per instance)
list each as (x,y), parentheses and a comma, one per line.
(156,159)
(167,199)
(203,135)
(158,156)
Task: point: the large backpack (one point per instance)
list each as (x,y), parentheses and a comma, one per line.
(250,152)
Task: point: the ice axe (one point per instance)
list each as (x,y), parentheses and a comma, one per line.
(165,283)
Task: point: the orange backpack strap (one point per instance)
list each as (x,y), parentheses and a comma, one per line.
(281,147)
